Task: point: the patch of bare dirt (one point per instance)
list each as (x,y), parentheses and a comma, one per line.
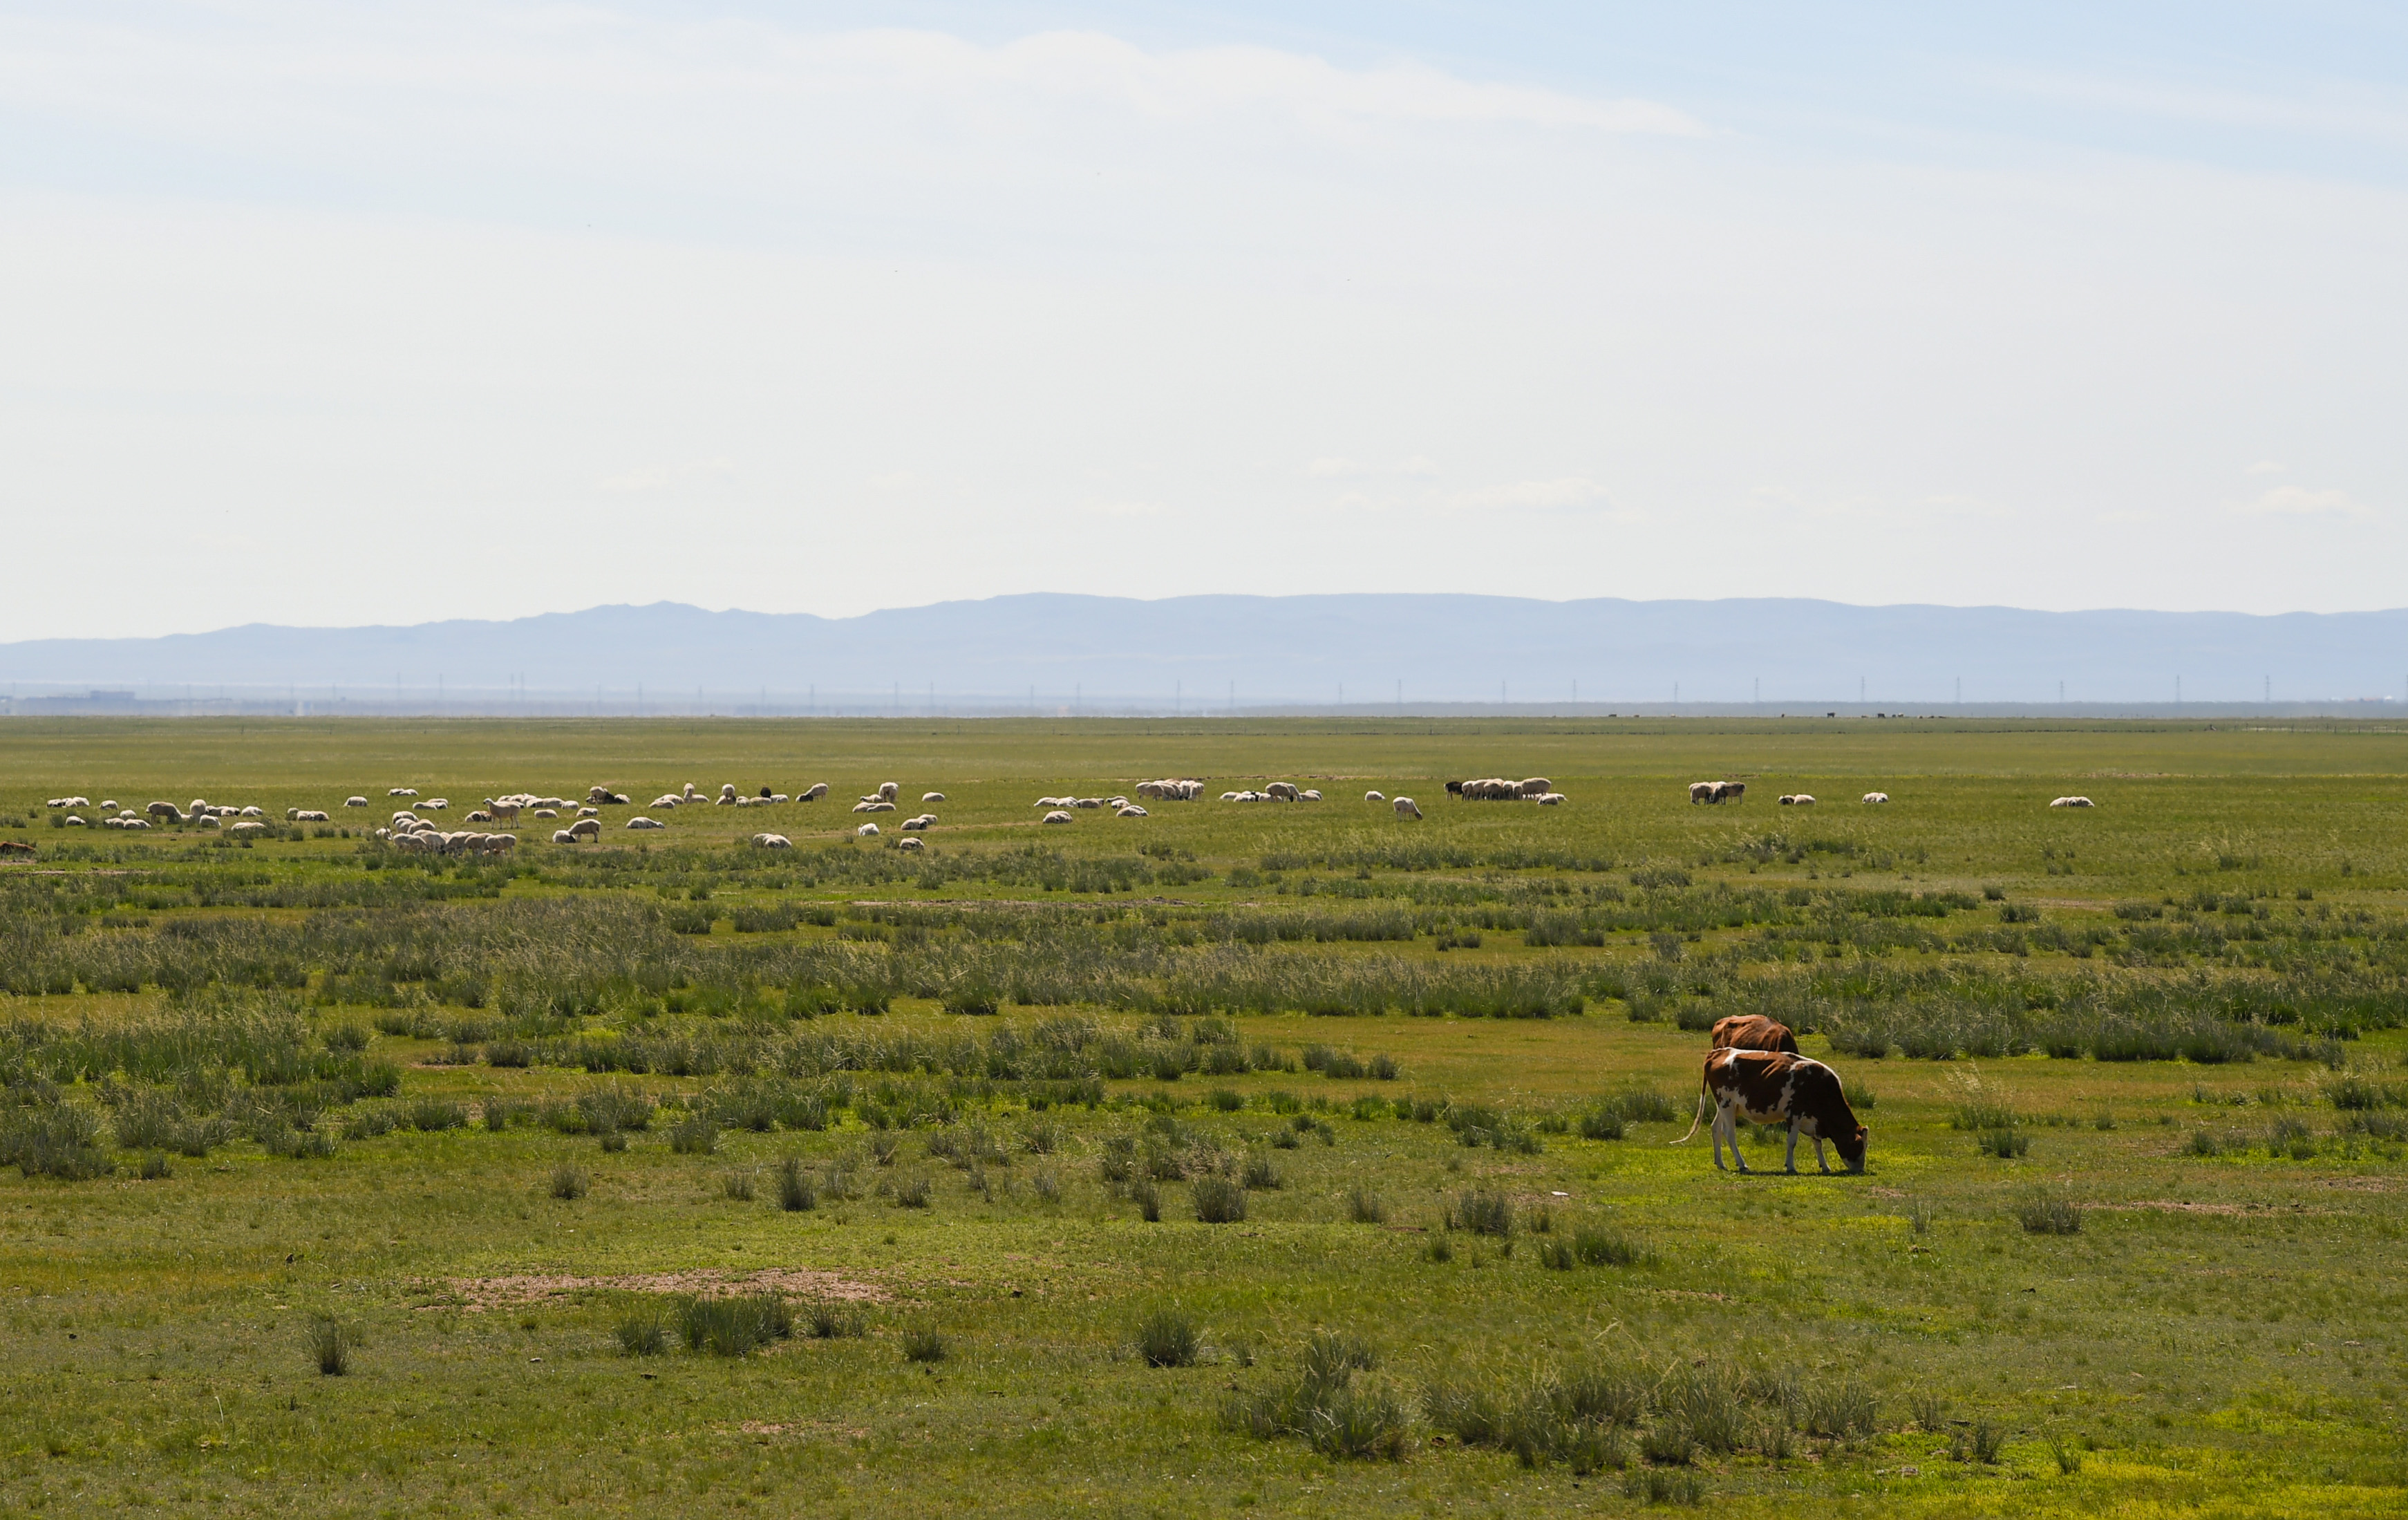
(478,1294)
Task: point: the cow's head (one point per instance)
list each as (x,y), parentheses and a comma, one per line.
(1852,1149)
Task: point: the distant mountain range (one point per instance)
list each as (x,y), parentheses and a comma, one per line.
(1244,653)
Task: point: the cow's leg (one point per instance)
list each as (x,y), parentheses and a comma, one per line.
(1726,1125)
(1715,1135)
(1818,1157)
(1790,1156)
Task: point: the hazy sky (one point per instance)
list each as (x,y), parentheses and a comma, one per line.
(321,313)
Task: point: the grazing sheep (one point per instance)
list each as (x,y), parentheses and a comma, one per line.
(1549,799)
(1379,797)
(866,831)
(1308,795)
(2072,802)
(639,820)
(251,812)
(1130,810)
(1405,809)
(500,844)
(873,805)
(932,797)
(109,805)
(308,816)
(668,799)
(1057,816)
(545,812)
(727,792)
(401,792)
(1701,792)
(245,828)
(561,836)
(164,810)
(1872,797)
(773,841)
(355,802)
(888,791)
(589,827)
(74,822)
(435,804)
(1537,786)
(912,843)
(814,792)
(506,810)
(922,821)
(1797,799)
(1281,791)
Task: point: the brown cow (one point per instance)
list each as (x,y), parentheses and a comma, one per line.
(1752,1032)
(1766,1088)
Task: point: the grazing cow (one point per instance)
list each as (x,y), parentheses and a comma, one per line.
(1405,809)
(1766,1088)
(773,841)
(1875,798)
(2072,802)
(1752,1032)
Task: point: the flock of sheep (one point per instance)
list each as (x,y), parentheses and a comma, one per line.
(411,831)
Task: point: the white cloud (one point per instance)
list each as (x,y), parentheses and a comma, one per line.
(1534,495)
(2264,467)
(2298,501)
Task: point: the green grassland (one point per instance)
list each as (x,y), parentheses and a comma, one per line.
(523,1144)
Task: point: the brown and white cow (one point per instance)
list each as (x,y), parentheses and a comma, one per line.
(1766,1088)
(1752,1032)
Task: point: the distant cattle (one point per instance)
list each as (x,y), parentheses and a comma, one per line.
(1405,807)
(1752,1032)
(1766,1088)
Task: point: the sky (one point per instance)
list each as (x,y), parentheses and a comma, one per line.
(333,314)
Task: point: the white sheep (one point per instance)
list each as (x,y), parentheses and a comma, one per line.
(814,792)
(2072,802)
(888,791)
(1130,810)
(1375,797)
(911,843)
(1876,798)
(355,802)
(1057,816)
(773,841)
(1405,809)
(561,836)
(401,792)
(932,797)
(639,820)
(866,831)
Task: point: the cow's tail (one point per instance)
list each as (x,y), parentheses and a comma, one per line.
(1696,1122)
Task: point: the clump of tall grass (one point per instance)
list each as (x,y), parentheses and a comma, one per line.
(1167,1337)
(735,1326)
(568,1180)
(642,1330)
(924,1342)
(1366,1207)
(797,1192)
(1328,1405)
(913,1192)
(1260,1174)
(830,1321)
(2005,1144)
(2045,1213)
(330,1346)
(737,1187)
(1219,1201)
(1981,1442)
(1482,1211)
(695,1136)
(1148,1199)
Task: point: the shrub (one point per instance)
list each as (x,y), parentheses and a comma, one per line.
(1227,1101)
(1366,1207)
(912,1193)
(1167,1337)
(923,1342)
(614,1141)
(1841,1410)
(1930,1410)
(347,1038)
(1704,1404)
(1219,1201)
(1483,1211)
(795,1192)
(1441,1250)
(1260,1173)
(568,1180)
(1604,1124)
(1327,1406)
(2005,1144)
(1148,1199)
(1669,1444)
(2201,1144)
(642,1332)
(330,1345)
(738,1187)
(2049,1213)
(733,1326)
(154,1168)
(62,1141)
(1649,1486)
(696,1136)
(433,1115)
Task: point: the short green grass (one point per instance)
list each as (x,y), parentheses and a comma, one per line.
(2101,1314)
